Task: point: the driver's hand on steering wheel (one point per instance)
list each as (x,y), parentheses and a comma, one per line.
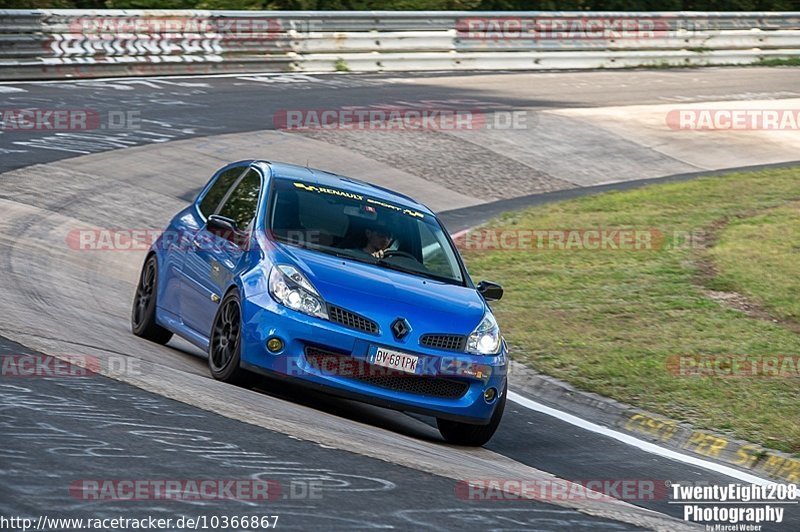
(378,254)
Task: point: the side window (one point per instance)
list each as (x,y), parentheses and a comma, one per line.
(217,191)
(242,203)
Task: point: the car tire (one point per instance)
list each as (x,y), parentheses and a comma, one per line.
(470,435)
(143,313)
(225,343)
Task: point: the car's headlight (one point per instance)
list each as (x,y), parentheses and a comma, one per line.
(290,288)
(485,339)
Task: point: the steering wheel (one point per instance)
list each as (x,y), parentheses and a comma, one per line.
(398,253)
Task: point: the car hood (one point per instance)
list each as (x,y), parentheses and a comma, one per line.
(383,295)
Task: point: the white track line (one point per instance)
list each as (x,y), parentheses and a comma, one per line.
(413,75)
(636,442)
(174,76)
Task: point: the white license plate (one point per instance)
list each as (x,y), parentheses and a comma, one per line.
(396,360)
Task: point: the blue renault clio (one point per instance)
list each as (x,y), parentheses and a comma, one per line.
(333,283)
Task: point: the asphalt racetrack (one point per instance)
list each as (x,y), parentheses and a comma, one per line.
(341,465)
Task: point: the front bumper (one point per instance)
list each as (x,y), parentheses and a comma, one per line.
(448,385)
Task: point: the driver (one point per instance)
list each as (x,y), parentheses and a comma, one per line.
(379,237)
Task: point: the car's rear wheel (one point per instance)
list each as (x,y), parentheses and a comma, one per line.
(225,344)
(143,314)
(466,434)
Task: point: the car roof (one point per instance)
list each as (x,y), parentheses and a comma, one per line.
(349,184)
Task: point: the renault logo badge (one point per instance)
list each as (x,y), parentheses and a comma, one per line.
(400,328)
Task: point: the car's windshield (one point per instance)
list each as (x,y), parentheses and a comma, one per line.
(362,228)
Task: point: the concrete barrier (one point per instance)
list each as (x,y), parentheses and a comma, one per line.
(42,44)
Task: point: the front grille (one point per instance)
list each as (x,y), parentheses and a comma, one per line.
(351,319)
(449,342)
(346,366)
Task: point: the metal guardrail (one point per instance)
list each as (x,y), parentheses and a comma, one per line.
(39,44)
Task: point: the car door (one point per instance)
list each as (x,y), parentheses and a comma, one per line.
(215,257)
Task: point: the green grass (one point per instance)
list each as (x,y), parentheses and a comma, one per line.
(782,61)
(608,321)
(759,256)
(341,65)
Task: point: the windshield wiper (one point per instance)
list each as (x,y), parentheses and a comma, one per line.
(341,253)
(369,259)
(392,266)
(366,259)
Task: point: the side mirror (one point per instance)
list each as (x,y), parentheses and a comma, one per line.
(490,291)
(225,228)
(222,226)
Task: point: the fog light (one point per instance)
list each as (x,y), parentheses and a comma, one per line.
(274,344)
(489,395)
